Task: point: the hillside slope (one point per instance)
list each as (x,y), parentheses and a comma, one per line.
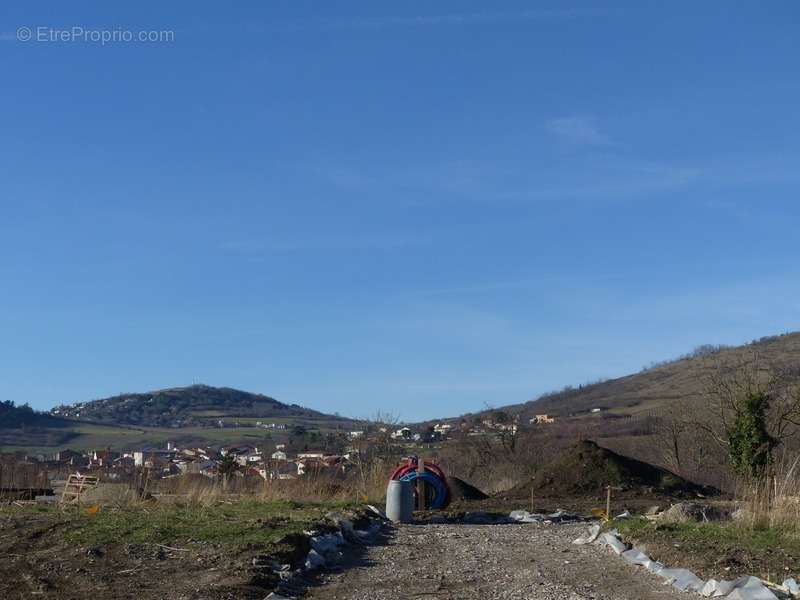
(23,425)
(191,406)
(654,388)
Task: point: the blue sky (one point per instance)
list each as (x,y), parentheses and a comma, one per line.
(422,208)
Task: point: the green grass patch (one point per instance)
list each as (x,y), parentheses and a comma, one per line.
(724,534)
(244,523)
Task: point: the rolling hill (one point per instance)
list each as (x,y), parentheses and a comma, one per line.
(190,406)
(653,388)
(196,414)
(23,425)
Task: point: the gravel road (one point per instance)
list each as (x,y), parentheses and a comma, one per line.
(487,562)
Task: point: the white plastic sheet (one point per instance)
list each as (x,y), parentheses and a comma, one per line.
(750,588)
(594,531)
(637,557)
(750,585)
(791,586)
(523,516)
(612,541)
(762,593)
(683,579)
(744,588)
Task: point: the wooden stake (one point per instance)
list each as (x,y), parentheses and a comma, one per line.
(608,502)
(420,483)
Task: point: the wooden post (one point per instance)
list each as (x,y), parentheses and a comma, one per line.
(420,483)
(608,502)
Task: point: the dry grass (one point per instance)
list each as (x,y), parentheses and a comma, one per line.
(773,501)
(367,483)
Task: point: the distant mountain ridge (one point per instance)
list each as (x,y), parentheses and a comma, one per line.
(189,406)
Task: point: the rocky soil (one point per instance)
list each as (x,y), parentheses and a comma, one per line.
(489,562)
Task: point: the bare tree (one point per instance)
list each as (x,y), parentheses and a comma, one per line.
(671,433)
(752,398)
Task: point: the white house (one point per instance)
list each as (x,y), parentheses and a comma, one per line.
(311,454)
(403,433)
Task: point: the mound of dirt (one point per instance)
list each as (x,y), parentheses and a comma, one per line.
(461,490)
(588,468)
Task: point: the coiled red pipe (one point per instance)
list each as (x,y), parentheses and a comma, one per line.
(412,464)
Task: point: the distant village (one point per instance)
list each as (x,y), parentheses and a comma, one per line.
(267,461)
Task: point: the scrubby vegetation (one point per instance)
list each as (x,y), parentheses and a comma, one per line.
(20,424)
(659,385)
(195,405)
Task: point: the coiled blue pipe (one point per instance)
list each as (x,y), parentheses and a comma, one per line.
(440,493)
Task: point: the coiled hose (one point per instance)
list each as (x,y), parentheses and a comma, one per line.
(433,477)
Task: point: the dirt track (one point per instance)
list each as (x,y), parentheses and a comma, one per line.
(487,562)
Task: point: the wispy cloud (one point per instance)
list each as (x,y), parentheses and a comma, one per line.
(578,130)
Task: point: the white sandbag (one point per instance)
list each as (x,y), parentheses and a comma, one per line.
(752,594)
(743,588)
(637,557)
(523,516)
(683,579)
(750,588)
(714,588)
(594,531)
(613,542)
(791,586)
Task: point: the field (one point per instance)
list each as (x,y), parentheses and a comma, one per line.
(221,550)
(89,436)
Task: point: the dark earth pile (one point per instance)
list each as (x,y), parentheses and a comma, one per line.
(587,468)
(461,490)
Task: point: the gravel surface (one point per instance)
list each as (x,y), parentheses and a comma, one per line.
(512,562)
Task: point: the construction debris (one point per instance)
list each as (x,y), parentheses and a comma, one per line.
(76,485)
(560,516)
